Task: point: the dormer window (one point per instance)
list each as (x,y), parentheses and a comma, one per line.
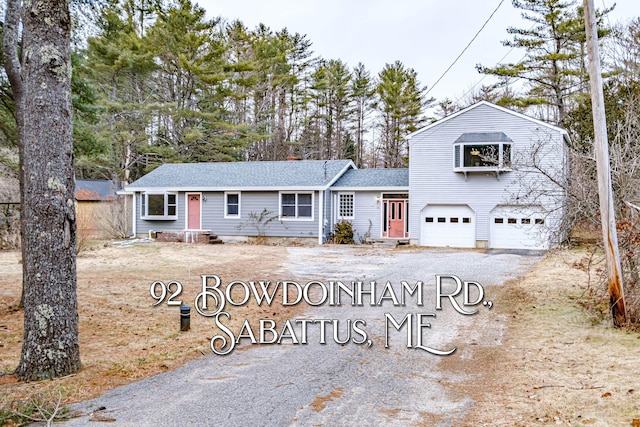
(482,151)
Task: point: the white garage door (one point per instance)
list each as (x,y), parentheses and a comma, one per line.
(513,227)
(448,225)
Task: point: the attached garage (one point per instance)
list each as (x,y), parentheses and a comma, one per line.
(448,225)
(518,227)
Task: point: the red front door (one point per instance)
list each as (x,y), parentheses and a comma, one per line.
(193,207)
(396,218)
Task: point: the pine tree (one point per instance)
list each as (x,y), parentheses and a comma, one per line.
(621,93)
(279,66)
(330,97)
(362,96)
(119,65)
(553,66)
(400,103)
(192,117)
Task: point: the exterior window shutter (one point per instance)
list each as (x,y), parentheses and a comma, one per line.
(456,156)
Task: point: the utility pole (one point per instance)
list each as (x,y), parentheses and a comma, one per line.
(605,191)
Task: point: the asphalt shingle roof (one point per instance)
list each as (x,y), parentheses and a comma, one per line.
(95,190)
(374,178)
(483,137)
(276,174)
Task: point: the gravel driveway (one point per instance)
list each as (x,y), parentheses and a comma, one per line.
(332,384)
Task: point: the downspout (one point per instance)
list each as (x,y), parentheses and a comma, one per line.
(320,216)
(134,219)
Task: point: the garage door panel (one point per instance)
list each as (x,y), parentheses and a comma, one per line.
(448,226)
(518,228)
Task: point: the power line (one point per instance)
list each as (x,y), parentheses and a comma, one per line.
(485,75)
(465,49)
(604,6)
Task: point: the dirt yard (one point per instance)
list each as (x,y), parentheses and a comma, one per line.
(124,338)
(558,364)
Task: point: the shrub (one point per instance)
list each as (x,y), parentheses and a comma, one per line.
(342,233)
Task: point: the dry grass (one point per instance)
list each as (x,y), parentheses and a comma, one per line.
(122,337)
(559,364)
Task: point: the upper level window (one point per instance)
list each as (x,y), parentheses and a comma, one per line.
(296,206)
(159,206)
(482,151)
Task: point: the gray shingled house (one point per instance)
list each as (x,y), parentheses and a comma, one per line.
(299,199)
(375,201)
(288,199)
(468,185)
(487,176)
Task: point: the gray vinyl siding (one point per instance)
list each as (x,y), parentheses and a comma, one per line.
(250,202)
(255,202)
(432,180)
(367,214)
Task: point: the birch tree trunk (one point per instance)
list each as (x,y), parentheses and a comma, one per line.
(41,84)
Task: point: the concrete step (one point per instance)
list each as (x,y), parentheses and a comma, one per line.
(214,240)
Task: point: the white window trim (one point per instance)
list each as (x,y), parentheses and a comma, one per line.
(145,204)
(353,205)
(186,210)
(226,214)
(501,164)
(296,218)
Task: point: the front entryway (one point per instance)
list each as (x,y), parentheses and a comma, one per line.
(395,216)
(193,212)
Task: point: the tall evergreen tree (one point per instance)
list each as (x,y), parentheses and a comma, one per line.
(281,60)
(88,148)
(553,66)
(119,65)
(621,92)
(362,97)
(192,117)
(272,75)
(330,96)
(400,104)
(8,131)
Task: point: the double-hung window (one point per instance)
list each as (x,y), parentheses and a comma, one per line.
(231,205)
(296,206)
(160,206)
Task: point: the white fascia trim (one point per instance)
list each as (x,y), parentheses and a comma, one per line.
(134,227)
(497,107)
(357,189)
(160,190)
(320,216)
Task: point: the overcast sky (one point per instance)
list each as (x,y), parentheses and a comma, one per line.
(426,35)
